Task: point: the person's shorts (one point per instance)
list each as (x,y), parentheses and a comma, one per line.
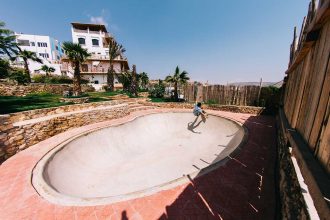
(197,113)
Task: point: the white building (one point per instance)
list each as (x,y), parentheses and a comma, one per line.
(95,38)
(47,49)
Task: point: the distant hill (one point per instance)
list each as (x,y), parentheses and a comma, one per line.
(264,84)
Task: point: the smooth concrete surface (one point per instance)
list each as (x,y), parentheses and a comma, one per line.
(142,155)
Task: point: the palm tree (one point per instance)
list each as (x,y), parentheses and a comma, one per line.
(8,45)
(177,78)
(144,79)
(134,82)
(76,55)
(26,56)
(115,50)
(126,79)
(47,69)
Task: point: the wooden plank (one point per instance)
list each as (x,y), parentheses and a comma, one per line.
(323,145)
(305,105)
(321,109)
(319,76)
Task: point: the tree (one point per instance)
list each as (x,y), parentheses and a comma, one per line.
(28,55)
(177,78)
(134,82)
(47,69)
(8,45)
(125,78)
(144,79)
(115,50)
(77,55)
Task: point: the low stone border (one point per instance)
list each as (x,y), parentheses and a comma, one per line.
(75,100)
(7,89)
(230,108)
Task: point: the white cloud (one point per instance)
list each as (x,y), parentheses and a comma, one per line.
(98,20)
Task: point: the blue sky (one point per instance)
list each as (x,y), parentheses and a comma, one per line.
(218,41)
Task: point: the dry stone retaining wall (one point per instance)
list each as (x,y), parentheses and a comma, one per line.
(16,138)
(22,90)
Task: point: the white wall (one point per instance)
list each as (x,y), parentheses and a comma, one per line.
(50,61)
(100,50)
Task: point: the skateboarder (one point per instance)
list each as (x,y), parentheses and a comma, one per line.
(199,111)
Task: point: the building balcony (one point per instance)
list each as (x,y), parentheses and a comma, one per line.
(80,31)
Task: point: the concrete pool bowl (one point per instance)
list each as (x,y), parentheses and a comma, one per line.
(136,158)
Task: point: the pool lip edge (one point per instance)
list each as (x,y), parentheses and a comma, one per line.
(47,192)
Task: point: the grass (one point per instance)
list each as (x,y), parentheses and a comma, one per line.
(161,100)
(11,104)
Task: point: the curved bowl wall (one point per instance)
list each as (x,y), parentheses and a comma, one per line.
(134,159)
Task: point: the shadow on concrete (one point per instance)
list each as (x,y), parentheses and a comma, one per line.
(124,215)
(242,187)
(192,125)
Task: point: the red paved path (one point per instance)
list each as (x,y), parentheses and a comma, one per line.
(243,188)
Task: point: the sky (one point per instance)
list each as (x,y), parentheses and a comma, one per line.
(215,41)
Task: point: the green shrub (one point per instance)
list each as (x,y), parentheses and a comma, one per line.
(19,76)
(211,102)
(158,91)
(39,78)
(55,79)
(58,80)
(84,81)
(270,98)
(4,68)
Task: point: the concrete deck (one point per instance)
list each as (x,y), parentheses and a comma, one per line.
(243,188)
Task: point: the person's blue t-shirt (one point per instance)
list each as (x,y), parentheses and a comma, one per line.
(197,110)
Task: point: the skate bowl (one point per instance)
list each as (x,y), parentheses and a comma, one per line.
(137,158)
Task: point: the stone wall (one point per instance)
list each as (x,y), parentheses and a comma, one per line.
(22,90)
(37,113)
(292,204)
(228,108)
(16,138)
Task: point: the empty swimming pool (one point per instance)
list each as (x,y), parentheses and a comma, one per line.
(136,158)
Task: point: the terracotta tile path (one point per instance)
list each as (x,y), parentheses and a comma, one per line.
(243,188)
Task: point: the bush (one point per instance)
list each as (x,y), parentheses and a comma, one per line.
(4,68)
(58,80)
(19,76)
(84,81)
(270,98)
(39,78)
(55,79)
(158,91)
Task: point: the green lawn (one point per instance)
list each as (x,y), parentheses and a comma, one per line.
(10,104)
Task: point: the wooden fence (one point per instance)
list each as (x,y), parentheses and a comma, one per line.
(221,94)
(307,84)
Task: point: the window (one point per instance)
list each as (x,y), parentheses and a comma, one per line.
(95,42)
(81,41)
(32,44)
(56,47)
(84,67)
(23,42)
(44,55)
(42,44)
